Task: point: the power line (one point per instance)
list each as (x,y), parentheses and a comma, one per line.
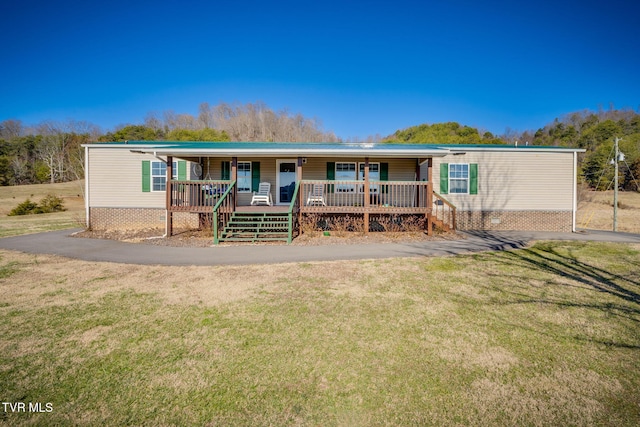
(631,173)
(603,171)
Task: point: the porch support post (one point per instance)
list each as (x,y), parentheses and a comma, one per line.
(366,195)
(299,169)
(169,214)
(234,178)
(418,180)
(428,213)
(429,197)
(298,179)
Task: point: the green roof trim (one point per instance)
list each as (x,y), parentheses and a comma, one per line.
(316,148)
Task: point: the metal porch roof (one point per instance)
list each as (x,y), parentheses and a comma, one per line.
(312,149)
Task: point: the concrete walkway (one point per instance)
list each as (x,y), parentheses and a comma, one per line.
(61,243)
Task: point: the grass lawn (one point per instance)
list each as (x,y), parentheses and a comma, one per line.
(595,210)
(548,335)
(10,197)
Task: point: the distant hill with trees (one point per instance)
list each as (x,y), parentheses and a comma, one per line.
(595,132)
(52,152)
(443,133)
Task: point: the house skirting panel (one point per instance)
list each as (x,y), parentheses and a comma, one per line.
(559,221)
(138,218)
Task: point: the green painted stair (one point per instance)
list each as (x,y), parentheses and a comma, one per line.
(256,227)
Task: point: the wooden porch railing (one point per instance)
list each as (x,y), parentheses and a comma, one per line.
(294,208)
(443,212)
(349,196)
(222,211)
(196,196)
(321,196)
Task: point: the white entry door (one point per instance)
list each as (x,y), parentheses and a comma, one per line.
(285,180)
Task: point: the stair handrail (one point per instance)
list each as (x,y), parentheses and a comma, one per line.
(216,208)
(452,209)
(294,202)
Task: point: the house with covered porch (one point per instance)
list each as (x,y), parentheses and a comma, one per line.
(158,184)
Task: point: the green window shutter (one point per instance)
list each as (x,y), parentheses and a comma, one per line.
(384,176)
(444,178)
(331,174)
(473,178)
(226,171)
(255,176)
(384,171)
(146,176)
(182,170)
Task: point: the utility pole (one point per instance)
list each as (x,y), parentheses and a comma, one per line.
(615,186)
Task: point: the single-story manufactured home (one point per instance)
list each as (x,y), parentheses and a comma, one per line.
(250,190)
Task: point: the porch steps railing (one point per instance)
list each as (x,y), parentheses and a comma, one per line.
(443,214)
(223,211)
(256,227)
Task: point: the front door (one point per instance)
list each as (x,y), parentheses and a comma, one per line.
(285,180)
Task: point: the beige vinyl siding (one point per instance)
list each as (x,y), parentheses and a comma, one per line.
(267,174)
(115,180)
(513,180)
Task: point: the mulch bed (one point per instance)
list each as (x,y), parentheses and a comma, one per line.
(202,239)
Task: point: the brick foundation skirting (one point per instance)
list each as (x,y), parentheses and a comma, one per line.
(559,221)
(138,218)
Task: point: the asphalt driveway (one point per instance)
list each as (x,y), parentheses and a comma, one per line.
(63,244)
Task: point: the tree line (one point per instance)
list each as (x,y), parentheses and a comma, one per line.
(51,151)
(47,152)
(594,131)
(226,122)
(443,133)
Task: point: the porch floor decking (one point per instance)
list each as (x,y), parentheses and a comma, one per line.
(263,209)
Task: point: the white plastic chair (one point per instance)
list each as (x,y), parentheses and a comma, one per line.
(316,196)
(263,195)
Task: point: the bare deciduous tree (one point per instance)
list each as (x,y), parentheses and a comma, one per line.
(60,148)
(11,129)
(152,121)
(51,154)
(20,168)
(257,122)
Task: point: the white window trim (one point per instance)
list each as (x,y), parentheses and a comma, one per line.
(467,179)
(356,177)
(238,177)
(345,188)
(174,175)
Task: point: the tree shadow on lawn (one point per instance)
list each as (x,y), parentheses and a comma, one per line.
(546,258)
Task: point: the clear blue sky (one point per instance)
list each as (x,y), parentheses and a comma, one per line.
(361,67)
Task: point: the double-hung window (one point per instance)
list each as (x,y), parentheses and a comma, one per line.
(244,177)
(159,175)
(355,172)
(459,178)
(345,172)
